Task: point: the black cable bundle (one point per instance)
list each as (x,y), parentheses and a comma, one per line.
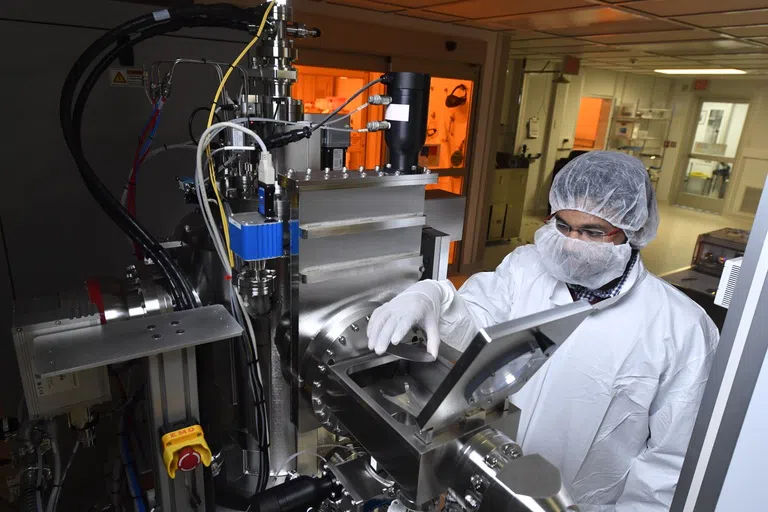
(72,106)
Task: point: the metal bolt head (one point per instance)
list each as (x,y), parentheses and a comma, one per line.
(361,168)
(179,331)
(381,174)
(345,175)
(329,353)
(491,461)
(477,482)
(413,167)
(344,169)
(427,171)
(389,166)
(377,168)
(354,327)
(58,322)
(317,384)
(397,173)
(363,174)
(512,450)
(342,340)
(327,170)
(309,170)
(317,401)
(322,369)
(367,318)
(19,329)
(157,336)
(471,501)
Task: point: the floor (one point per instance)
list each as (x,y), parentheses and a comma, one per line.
(671,250)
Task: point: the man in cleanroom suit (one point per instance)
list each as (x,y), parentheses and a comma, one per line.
(615,405)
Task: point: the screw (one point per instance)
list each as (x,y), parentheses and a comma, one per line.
(377,168)
(363,174)
(342,340)
(290,171)
(19,329)
(389,166)
(322,369)
(361,168)
(471,400)
(397,173)
(308,178)
(344,169)
(512,450)
(354,327)
(471,501)
(175,322)
(151,326)
(309,170)
(327,170)
(329,353)
(187,228)
(317,384)
(345,175)
(491,461)
(317,401)
(427,171)
(157,336)
(367,318)
(381,174)
(179,331)
(477,482)
(58,322)
(413,167)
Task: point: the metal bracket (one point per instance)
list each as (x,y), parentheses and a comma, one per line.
(116,342)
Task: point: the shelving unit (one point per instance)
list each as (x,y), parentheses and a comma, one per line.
(641,132)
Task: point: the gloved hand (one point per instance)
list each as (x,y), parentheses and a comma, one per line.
(418,305)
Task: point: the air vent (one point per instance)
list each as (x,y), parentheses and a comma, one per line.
(728,282)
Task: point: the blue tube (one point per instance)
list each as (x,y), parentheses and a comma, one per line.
(130,472)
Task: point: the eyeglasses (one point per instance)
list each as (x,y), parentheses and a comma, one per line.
(592,234)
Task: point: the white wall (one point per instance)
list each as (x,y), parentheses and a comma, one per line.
(645,91)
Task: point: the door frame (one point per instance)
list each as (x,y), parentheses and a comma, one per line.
(705,203)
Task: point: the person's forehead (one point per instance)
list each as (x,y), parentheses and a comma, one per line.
(578,219)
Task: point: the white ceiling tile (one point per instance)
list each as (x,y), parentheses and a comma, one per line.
(552,41)
(428,15)
(521,35)
(655,37)
(685,7)
(751,32)
(367,4)
(727,19)
(415,4)
(569,18)
(475,9)
(616,27)
(696,47)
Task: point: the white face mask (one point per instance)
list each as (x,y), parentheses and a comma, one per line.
(574,261)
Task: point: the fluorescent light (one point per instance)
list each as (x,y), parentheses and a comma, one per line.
(713,71)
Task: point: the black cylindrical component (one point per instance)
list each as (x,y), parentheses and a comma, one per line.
(296,495)
(408,115)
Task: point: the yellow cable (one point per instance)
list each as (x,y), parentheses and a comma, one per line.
(211,166)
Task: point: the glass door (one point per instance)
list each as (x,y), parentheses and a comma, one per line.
(707,174)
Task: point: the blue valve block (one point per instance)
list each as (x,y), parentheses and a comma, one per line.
(254,238)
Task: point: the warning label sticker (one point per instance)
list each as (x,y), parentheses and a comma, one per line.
(57,384)
(126,77)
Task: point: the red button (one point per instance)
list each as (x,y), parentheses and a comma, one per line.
(189,459)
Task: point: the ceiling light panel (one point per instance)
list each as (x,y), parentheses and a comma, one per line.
(687,7)
(475,9)
(702,71)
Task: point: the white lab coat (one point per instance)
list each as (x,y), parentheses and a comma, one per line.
(614,407)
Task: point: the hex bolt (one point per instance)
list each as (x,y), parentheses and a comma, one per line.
(317,384)
(477,482)
(317,401)
(491,461)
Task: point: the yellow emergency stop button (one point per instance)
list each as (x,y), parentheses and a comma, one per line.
(184,449)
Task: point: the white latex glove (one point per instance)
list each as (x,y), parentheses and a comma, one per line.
(418,305)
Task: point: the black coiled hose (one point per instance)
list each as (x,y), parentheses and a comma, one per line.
(72,106)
